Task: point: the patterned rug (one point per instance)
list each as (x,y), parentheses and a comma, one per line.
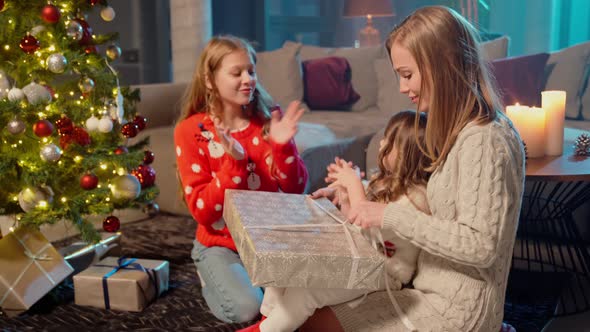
(182,308)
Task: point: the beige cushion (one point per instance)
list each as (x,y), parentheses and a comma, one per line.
(364,80)
(373,153)
(496,48)
(567,70)
(279,71)
(389,99)
(160,103)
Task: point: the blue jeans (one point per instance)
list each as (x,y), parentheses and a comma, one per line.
(226,287)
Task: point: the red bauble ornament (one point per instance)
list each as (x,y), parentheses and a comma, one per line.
(121,150)
(29,44)
(140,121)
(145,174)
(81,136)
(91,49)
(1,5)
(111,224)
(43,128)
(65,141)
(65,127)
(88,181)
(148,157)
(86,32)
(93,2)
(129,129)
(50,14)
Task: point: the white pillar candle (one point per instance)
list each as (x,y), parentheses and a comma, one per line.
(553,103)
(515,113)
(533,131)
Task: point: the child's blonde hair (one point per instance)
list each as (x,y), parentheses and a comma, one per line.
(454,74)
(198,98)
(397,178)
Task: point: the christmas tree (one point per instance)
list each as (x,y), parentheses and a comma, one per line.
(65,122)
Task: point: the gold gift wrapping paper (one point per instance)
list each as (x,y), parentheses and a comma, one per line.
(128,289)
(300,256)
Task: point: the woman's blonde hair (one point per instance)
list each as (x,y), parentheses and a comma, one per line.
(198,98)
(395,179)
(454,74)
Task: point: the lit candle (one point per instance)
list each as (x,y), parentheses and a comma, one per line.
(554,105)
(515,113)
(530,124)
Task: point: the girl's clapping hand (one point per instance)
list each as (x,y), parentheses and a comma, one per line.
(283,129)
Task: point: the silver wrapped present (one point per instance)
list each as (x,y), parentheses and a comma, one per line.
(288,240)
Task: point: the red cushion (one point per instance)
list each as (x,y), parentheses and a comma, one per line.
(521,79)
(327,84)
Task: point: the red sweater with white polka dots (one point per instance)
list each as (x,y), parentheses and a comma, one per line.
(206,171)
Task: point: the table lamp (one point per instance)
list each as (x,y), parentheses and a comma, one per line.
(369,35)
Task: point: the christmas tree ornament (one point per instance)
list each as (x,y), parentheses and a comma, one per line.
(29,44)
(148,157)
(50,14)
(582,145)
(29,198)
(1,5)
(4,84)
(105,125)
(65,127)
(16,126)
(91,49)
(93,2)
(111,224)
(36,93)
(50,152)
(86,32)
(140,121)
(145,174)
(151,209)
(129,130)
(113,52)
(56,63)
(16,95)
(36,30)
(92,123)
(43,128)
(125,187)
(81,137)
(86,85)
(88,181)
(121,150)
(74,30)
(107,13)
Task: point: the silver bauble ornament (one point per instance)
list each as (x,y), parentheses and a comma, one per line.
(56,63)
(50,152)
(86,85)
(125,187)
(16,94)
(151,209)
(107,13)
(92,123)
(29,198)
(36,93)
(113,52)
(4,85)
(75,30)
(16,127)
(105,125)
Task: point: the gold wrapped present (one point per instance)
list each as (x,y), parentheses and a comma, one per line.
(29,268)
(288,240)
(128,284)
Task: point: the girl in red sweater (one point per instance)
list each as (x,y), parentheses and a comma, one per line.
(228,137)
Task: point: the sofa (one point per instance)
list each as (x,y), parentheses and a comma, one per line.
(326,133)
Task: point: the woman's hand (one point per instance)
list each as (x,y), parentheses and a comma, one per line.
(283,129)
(367,214)
(229,144)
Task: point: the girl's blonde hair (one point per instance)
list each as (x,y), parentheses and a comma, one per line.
(198,98)
(454,74)
(395,179)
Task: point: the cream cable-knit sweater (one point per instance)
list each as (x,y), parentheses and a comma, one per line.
(467,242)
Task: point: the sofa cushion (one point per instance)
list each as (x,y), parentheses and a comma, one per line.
(160,103)
(363,81)
(567,70)
(520,79)
(351,124)
(389,99)
(495,48)
(279,72)
(327,85)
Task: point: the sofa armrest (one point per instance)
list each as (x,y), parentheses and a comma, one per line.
(160,103)
(317,158)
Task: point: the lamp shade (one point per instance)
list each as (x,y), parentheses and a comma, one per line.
(368,7)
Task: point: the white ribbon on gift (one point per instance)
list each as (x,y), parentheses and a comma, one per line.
(35,258)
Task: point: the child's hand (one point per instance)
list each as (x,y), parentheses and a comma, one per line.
(282,129)
(342,173)
(230,144)
(336,164)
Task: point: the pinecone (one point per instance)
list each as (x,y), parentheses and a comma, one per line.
(582,145)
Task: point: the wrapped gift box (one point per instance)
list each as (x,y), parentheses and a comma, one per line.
(129,284)
(287,240)
(30,268)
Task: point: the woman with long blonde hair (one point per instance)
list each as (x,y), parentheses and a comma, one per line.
(474,192)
